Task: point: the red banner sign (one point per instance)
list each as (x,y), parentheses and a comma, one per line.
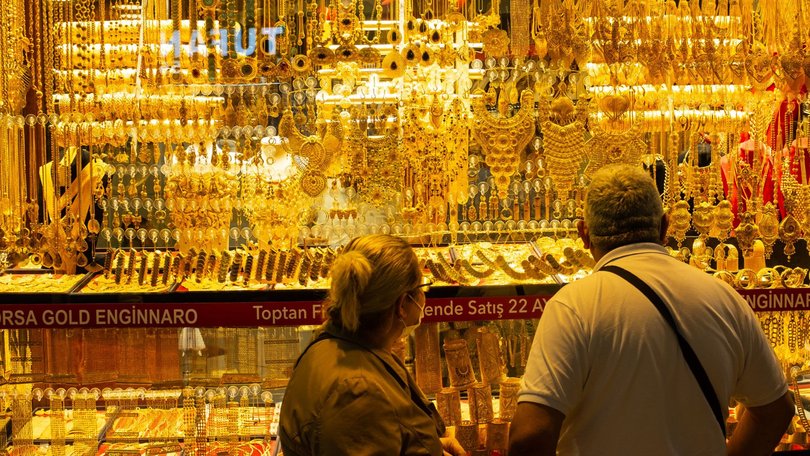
(243,314)
(163,315)
(296,313)
(485,308)
(778,299)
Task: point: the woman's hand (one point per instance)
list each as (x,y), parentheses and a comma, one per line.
(451,447)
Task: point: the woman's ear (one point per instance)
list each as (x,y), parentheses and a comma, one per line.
(400,309)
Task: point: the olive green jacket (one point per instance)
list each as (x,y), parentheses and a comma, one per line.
(345,398)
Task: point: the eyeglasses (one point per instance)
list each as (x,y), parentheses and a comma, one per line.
(421,308)
(424,286)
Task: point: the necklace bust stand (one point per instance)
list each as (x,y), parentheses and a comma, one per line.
(736,186)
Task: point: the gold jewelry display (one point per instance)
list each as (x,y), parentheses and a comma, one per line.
(503,138)
(508,394)
(459,365)
(563,125)
(436,177)
(565,36)
(427,363)
(314,151)
(375,163)
(617,139)
(448,402)
(489,357)
(497,436)
(795,224)
(467,435)
(480,398)
(355,117)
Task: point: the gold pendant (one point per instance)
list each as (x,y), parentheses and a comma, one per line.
(723,219)
(703,218)
(679,221)
(746,233)
(789,232)
(769,227)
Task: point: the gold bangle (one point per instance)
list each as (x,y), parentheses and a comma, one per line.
(746,279)
(793,278)
(768,278)
(725,276)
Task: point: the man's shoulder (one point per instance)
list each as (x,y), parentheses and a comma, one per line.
(588,283)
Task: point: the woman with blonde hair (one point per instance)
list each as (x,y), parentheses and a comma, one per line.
(348,394)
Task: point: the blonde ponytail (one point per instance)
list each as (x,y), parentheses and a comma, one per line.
(367,279)
(351,273)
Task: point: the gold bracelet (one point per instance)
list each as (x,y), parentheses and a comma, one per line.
(260,263)
(474,272)
(248,270)
(793,278)
(167,263)
(439,275)
(746,279)
(224,265)
(155,268)
(504,266)
(444,266)
(235,267)
(726,276)
(769,278)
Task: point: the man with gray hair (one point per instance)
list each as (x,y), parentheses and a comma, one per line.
(643,356)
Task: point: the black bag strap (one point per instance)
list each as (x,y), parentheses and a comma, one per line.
(688,354)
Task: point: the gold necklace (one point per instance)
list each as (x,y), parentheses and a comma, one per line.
(614,146)
(502,138)
(563,141)
(797,222)
(375,163)
(565,38)
(433,179)
(315,150)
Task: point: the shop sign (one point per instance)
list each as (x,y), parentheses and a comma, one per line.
(485,308)
(778,299)
(162,315)
(296,313)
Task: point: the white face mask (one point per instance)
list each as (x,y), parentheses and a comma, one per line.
(409,329)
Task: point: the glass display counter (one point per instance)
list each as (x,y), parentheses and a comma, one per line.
(155,373)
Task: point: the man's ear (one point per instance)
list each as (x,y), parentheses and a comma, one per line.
(584,233)
(664,228)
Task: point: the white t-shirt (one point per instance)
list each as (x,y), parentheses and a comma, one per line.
(606,359)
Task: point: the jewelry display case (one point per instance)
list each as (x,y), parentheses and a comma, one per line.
(177,176)
(210,366)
